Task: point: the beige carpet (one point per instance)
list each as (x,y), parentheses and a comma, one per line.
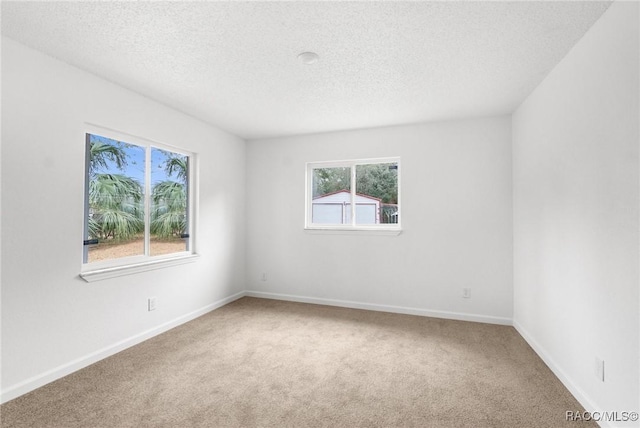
(266,363)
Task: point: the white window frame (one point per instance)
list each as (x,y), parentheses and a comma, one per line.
(133,264)
(392,228)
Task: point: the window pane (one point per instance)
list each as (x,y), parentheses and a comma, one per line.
(169,201)
(331,196)
(114,203)
(377,193)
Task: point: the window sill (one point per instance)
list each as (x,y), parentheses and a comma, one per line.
(352,231)
(113,272)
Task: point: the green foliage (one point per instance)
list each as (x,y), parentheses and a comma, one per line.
(115,191)
(177,165)
(101,153)
(375,180)
(378,180)
(169,198)
(169,209)
(118,225)
(329,180)
(115,200)
(115,204)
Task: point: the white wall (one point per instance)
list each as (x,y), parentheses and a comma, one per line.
(576,214)
(457,228)
(52,321)
(575,229)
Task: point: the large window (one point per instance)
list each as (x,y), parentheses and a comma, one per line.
(137,202)
(357,194)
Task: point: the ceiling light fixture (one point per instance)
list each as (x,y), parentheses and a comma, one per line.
(308,57)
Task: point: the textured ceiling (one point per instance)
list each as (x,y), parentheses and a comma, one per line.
(234,65)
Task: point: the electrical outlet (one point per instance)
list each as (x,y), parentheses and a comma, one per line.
(600,369)
(466,293)
(264,276)
(152,303)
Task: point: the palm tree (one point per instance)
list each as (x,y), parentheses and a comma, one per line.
(115,200)
(115,204)
(100,153)
(169,212)
(169,200)
(177,164)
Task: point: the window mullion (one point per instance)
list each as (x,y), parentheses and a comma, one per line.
(188,211)
(119,175)
(353,195)
(378,194)
(147,201)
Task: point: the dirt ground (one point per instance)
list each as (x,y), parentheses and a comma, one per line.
(108,251)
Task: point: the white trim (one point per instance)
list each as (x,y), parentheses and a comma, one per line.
(383,308)
(42,379)
(354,204)
(328,230)
(352,164)
(148,152)
(115,271)
(577,392)
(147,144)
(138,140)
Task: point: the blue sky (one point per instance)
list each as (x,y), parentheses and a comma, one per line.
(135,161)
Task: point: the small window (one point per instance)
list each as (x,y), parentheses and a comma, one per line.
(358,194)
(137,202)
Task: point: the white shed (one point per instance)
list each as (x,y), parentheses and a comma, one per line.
(335,208)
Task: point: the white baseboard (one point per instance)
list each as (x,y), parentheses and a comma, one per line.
(42,379)
(577,392)
(383,308)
